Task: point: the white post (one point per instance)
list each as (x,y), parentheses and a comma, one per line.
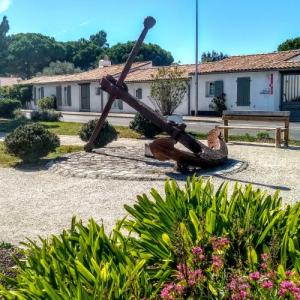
(196,62)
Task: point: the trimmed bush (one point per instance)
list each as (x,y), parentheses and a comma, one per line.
(107,135)
(8,106)
(190,243)
(47,103)
(50,115)
(144,126)
(31,142)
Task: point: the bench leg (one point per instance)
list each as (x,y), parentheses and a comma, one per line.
(286,133)
(226,131)
(278,138)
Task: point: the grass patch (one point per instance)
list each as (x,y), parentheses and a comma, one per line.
(7,160)
(62,128)
(126,132)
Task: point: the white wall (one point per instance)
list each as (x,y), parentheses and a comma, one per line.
(258,100)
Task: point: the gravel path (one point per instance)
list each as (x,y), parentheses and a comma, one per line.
(36,203)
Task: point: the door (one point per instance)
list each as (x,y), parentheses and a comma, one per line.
(85,97)
(243,91)
(290,94)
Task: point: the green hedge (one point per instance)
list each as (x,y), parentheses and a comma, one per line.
(8,106)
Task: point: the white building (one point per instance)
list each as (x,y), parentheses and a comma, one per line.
(268,82)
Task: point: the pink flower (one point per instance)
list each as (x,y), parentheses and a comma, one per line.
(254,276)
(264,257)
(199,252)
(166,293)
(195,276)
(263,266)
(287,286)
(267,284)
(243,294)
(179,289)
(217,262)
(219,243)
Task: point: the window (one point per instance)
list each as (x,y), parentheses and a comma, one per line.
(214,88)
(98,90)
(67,96)
(41,93)
(139,93)
(210,89)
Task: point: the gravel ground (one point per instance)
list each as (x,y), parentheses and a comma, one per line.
(36,203)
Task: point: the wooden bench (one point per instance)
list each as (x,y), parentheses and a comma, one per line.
(279,116)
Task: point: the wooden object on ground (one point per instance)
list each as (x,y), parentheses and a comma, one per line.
(278,116)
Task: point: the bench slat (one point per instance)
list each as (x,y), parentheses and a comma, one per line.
(250,127)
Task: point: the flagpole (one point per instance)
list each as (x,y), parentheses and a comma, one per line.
(196,63)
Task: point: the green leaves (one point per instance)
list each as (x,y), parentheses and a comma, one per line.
(84,263)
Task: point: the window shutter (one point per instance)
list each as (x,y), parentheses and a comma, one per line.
(69,95)
(243,91)
(58,96)
(34,95)
(219,88)
(42,92)
(139,93)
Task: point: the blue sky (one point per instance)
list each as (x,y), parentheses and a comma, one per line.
(231,26)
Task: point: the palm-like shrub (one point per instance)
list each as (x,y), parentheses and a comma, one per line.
(107,135)
(191,243)
(31,142)
(254,222)
(81,263)
(144,126)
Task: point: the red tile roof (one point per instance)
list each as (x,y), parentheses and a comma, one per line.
(257,62)
(143,71)
(8,81)
(92,75)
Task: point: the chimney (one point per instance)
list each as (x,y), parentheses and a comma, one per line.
(105,62)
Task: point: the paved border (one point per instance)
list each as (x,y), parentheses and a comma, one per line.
(129,163)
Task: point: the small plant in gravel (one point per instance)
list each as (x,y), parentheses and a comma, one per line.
(31,142)
(107,134)
(144,126)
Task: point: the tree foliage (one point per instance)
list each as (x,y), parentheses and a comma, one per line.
(4,28)
(212,56)
(168,89)
(59,68)
(290,44)
(148,52)
(29,53)
(26,54)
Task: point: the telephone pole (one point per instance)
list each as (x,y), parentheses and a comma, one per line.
(196,62)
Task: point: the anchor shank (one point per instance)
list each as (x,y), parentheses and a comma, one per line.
(176,133)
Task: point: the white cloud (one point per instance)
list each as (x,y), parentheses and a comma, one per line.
(4,5)
(84,23)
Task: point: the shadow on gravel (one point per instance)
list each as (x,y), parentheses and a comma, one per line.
(41,165)
(274,187)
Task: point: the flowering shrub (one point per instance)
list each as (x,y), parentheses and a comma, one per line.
(205,274)
(191,243)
